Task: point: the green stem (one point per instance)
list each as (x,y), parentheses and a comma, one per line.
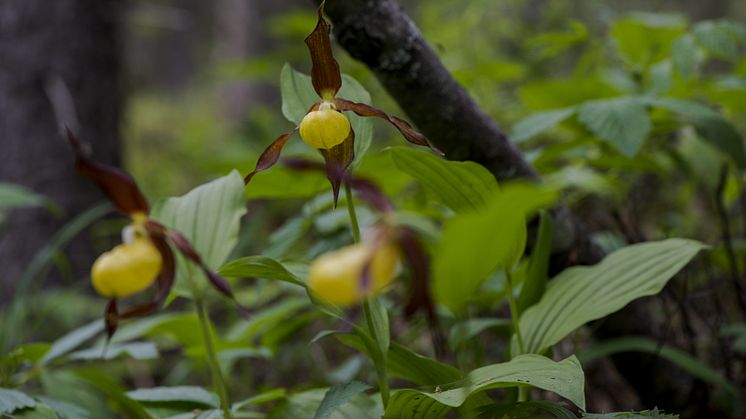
(353,215)
(380,361)
(515,320)
(212,357)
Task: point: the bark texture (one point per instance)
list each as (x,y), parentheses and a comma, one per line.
(64,52)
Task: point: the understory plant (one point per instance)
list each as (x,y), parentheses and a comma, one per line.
(428,296)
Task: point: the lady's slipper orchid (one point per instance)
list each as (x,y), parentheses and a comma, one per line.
(353,273)
(325,127)
(145,256)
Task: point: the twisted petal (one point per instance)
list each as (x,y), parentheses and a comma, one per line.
(115,183)
(337,160)
(325,74)
(187,250)
(270,155)
(409,133)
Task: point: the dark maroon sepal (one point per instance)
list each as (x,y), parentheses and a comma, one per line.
(115,183)
(270,155)
(325,74)
(409,133)
(420,298)
(337,159)
(111,318)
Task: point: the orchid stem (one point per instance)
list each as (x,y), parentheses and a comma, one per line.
(515,320)
(355,227)
(378,361)
(212,358)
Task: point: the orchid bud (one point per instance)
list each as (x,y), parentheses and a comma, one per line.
(126,269)
(337,277)
(324,128)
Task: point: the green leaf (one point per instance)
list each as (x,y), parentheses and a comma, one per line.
(17,196)
(623,122)
(646,38)
(298,96)
(564,378)
(459,185)
(305,404)
(191,394)
(209,217)
(676,356)
(259,267)
(379,325)
(581,294)
(477,243)
(337,396)
(115,395)
(525,410)
(538,265)
(285,183)
(684,56)
(404,363)
(41,411)
(717,39)
(135,350)
(65,410)
(72,340)
(12,400)
(721,134)
(539,122)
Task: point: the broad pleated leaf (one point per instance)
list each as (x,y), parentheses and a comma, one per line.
(459,185)
(717,39)
(581,294)
(12,400)
(191,394)
(72,340)
(475,244)
(338,396)
(684,56)
(564,378)
(538,265)
(624,122)
(710,125)
(305,404)
(209,218)
(259,267)
(539,122)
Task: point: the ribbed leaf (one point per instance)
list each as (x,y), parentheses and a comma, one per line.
(209,217)
(259,267)
(337,396)
(624,122)
(12,400)
(459,185)
(538,265)
(475,244)
(564,378)
(305,404)
(717,39)
(581,294)
(191,394)
(539,122)
(684,56)
(710,125)
(72,340)
(655,413)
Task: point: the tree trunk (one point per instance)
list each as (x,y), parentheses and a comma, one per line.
(58,60)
